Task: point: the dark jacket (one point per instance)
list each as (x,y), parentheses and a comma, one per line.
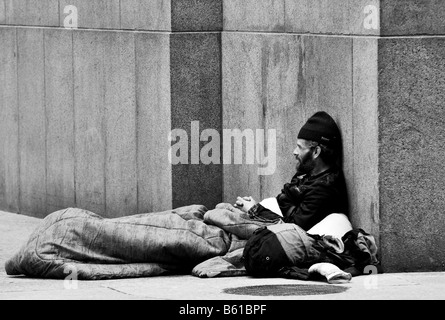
(307,200)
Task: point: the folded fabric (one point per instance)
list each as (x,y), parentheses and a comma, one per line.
(335,243)
(331,272)
(230,265)
(294,273)
(335,224)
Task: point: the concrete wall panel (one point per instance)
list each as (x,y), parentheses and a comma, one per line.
(94,14)
(364,190)
(332,57)
(120,124)
(196,96)
(9,126)
(197,15)
(153,121)
(412,136)
(254,15)
(281,105)
(32,122)
(242,101)
(89,109)
(412,17)
(31,12)
(59,103)
(146,15)
(2,11)
(332,16)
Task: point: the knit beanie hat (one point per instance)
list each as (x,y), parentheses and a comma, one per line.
(321,128)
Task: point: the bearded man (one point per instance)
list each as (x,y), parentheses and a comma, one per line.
(318,188)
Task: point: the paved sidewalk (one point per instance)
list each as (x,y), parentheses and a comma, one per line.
(15,229)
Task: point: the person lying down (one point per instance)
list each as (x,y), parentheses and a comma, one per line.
(303,233)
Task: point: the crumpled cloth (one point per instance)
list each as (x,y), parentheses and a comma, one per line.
(151,244)
(207,243)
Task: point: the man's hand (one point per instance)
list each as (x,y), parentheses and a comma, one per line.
(245,203)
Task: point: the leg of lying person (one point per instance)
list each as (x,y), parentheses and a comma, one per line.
(236,222)
(193,212)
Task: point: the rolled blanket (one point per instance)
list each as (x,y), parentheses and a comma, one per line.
(100,248)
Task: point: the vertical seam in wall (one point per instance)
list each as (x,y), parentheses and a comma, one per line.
(171,19)
(60,15)
(379,184)
(104,130)
(171,64)
(74,119)
(222,16)
(19,160)
(46,120)
(284,17)
(170,105)
(120,14)
(352,112)
(264,98)
(136,81)
(222,112)
(7,20)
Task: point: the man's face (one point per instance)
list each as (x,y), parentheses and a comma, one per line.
(304,156)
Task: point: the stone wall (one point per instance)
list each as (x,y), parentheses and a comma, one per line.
(86,113)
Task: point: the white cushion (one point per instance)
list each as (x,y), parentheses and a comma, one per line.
(336,224)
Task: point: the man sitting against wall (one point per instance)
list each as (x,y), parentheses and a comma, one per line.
(318,188)
(315,200)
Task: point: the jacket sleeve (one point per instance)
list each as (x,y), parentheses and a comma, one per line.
(261,213)
(314,206)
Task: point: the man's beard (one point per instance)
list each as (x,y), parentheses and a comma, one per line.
(306,165)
